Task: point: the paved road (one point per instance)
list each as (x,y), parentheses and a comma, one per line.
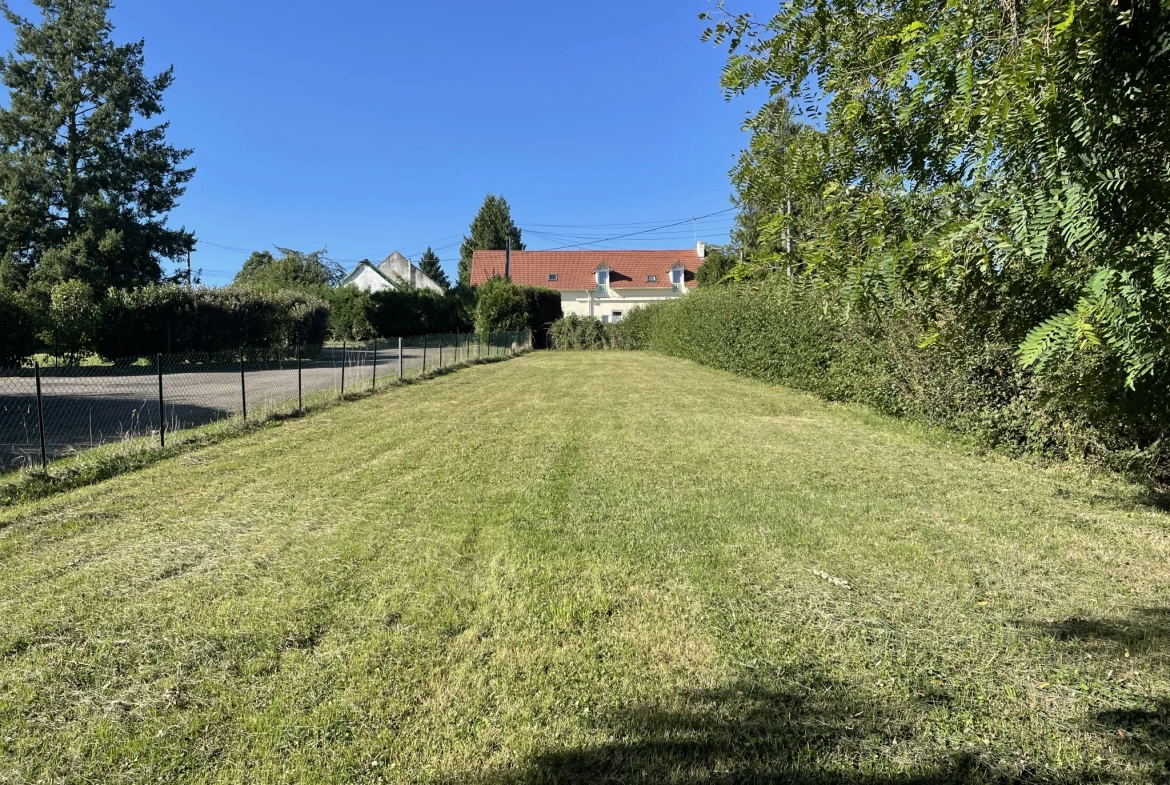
(87,407)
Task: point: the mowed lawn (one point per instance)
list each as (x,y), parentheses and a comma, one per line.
(608,567)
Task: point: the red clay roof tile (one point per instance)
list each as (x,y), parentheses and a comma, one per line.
(574,269)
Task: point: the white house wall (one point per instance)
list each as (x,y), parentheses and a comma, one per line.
(368,280)
(406,272)
(584,303)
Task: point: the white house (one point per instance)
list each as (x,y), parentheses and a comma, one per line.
(396,272)
(602,284)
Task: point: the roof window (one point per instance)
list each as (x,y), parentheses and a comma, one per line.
(552,277)
(651,279)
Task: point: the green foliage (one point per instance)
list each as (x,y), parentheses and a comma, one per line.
(490,231)
(406,313)
(73,318)
(429,264)
(18,339)
(582,333)
(85,181)
(579,333)
(165,319)
(291,271)
(502,306)
(1006,157)
(716,268)
(635,329)
(349,314)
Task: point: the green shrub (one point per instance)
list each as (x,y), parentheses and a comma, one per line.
(923,363)
(20,326)
(502,306)
(74,319)
(579,333)
(634,331)
(349,314)
(170,319)
(585,333)
(405,314)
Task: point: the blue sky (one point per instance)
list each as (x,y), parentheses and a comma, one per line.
(372,126)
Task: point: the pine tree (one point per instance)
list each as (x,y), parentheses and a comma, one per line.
(85,185)
(489,232)
(429,264)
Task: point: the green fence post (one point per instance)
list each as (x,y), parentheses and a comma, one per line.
(400,368)
(424,368)
(300,387)
(374,380)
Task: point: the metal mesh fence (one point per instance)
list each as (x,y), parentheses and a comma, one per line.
(49,411)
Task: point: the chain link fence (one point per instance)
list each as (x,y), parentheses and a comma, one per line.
(50,411)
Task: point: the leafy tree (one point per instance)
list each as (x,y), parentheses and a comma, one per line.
(716,268)
(489,232)
(1003,156)
(85,182)
(74,318)
(349,314)
(429,264)
(291,270)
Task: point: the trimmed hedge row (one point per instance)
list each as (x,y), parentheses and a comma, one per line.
(502,306)
(406,314)
(941,370)
(166,319)
(158,320)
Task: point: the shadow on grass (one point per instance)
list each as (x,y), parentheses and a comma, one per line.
(1140,730)
(815,732)
(1142,733)
(1148,631)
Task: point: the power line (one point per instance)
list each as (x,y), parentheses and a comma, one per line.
(587,239)
(645,231)
(631,225)
(707,227)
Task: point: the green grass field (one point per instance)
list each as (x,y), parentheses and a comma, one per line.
(603,567)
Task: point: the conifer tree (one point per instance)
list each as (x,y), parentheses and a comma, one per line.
(429,264)
(489,232)
(85,182)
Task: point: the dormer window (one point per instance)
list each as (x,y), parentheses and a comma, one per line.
(676,276)
(603,278)
(552,277)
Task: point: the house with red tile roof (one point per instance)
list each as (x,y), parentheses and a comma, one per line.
(603,284)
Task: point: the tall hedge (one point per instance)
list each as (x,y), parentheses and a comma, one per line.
(19,326)
(933,366)
(502,306)
(405,314)
(170,319)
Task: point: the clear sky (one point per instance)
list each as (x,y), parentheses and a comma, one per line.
(372,125)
